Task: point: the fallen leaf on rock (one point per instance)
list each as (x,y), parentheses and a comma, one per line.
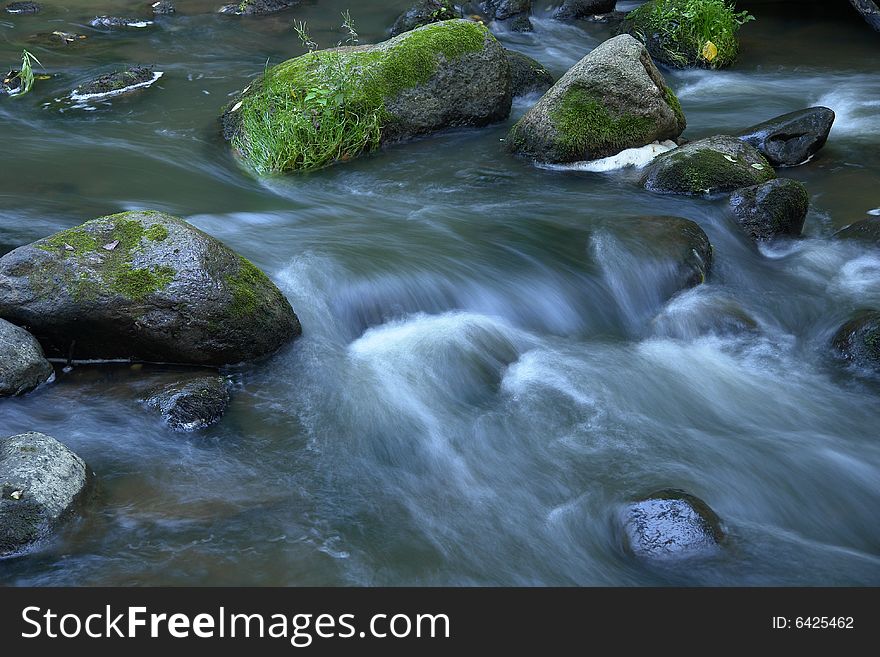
(729,159)
(16,494)
(112,245)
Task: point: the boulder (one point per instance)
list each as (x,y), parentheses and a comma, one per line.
(870,11)
(118,82)
(793,138)
(447,74)
(23,8)
(512,14)
(671,525)
(257,7)
(611,100)
(117,22)
(163,7)
(692,315)
(423,13)
(708,166)
(575,9)
(41,483)
(143,286)
(192,404)
(22,364)
(858,340)
(777,207)
(527,75)
(866,231)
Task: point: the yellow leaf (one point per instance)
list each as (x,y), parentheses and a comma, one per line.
(710,51)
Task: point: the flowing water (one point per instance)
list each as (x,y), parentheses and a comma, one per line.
(488,370)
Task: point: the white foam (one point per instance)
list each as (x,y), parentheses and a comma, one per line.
(108,94)
(631,157)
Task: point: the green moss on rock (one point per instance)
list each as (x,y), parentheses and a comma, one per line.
(247,287)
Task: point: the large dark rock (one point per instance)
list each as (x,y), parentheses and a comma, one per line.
(192,404)
(671,525)
(793,138)
(513,14)
(866,231)
(447,74)
(870,11)
(574,9)
(778,207)
(708,166)
(527,75)
(118,82)
(257,7)
(858,341)
(22,364)
(41,483)
(423,13)
(611,100)
(143,286)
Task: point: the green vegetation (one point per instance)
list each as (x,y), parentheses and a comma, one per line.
(26,74)
(690,32)
(672,101)
(245,286)
(585,125)
(329,105)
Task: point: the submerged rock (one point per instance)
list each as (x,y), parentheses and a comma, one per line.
(193,404)
(513,14)
(870,11)
(163,7)
(114,22)
(23,8)
(447,74)
(858,341)
(527,75)
(708,166)
(41,483)
(144,286)
(257,7)
(692,315)
(611,100)
(423,13)
(11,83)
(57,38)
(866,231)
(670,525)
(778,207)
(22,364)
(793,138)
(118,82)
(575,9)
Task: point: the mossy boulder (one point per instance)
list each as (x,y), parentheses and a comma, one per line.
(870,11)
(512,14)
(793,138)
(778,207)
(424,13)
(42,483)
(611,100)
(865,231)
(708,166)
(257,7)
(858,340)
(527,75)
(576,9)
(332,105)
(191,404)
(688,33)
(22,364)
(143,286)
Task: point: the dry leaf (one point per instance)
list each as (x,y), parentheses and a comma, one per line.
(759,167)
(112,245)
(710,51)
(729,159)
(67,247)
(16,494)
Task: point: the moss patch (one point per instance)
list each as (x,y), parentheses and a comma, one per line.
(247,287)
(329,105)
(672,101)
(586,127)
(156,233)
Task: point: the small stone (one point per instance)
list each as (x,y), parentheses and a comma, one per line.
(23,8)
(193,404)
(163,7)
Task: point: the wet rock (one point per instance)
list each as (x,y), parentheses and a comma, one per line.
(57,38)
(117,22)
(692,315)
(118,82)
(611,100)
(11,83)
(870,11)
(575,9)
(23,8)
(777,207)
(512,14)
(866,231)
(708,166)
(424,12)
(793,138)
(257,7)
(670,525)
(858,341)
(41,483)
(144,286)
(193,404)
(527,75)
(22,364)
(163,7)
(452,73)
